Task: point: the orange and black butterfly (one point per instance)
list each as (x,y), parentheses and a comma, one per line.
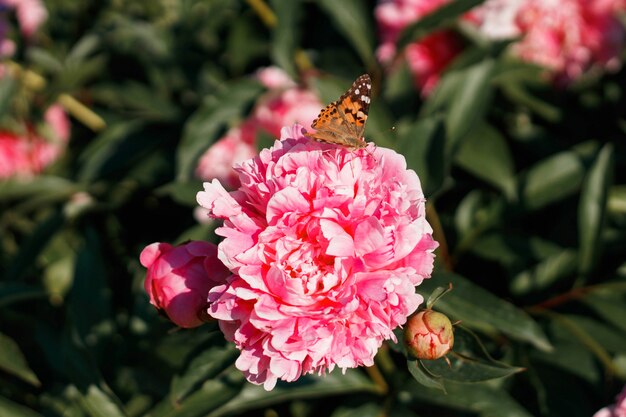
(342,122)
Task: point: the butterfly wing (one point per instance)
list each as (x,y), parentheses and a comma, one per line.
(343,121)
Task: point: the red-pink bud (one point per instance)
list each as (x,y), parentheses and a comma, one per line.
(179,279)
(428,335)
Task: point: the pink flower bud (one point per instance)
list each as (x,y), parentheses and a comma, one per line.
(179,279)
(428,335)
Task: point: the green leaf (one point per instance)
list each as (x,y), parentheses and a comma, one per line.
(204,126)
(214,393)
(545,273)
(14,189)
(112,150)
(369,409)
(485,154)
(204,366)
(551,180)
(609,304)
(443,16)
(13,292)
(8,87)
(592,209)
(70,359)
(423,144)
(90,299)
(12,361)
(9,408)
(428,380)
(470,102)
(305,388)
(33,245)
(286,34)
(353,19)
(96,403)
(478,308)
(481,399)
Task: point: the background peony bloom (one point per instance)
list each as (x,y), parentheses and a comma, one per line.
(326,245)
(283,105)
(179,278)
(28,154)
(428,57)
(285,108)
(217,162)
(568,37)
(429,335)
(616,410)
(30,14)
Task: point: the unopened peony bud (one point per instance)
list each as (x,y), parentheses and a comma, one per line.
(179,279)
(428,335)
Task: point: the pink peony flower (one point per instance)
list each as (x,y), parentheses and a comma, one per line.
(285,104)
(285,108)
(567,37)
(179,278)
(217,162)
(28,154)
(274,77)
(616,410)
(428,57)
(496,19)
(326,245)
(30,14)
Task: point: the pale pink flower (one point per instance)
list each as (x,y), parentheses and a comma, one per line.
(30,14)
(179,278)
(236,146)
(496,19)
(616,410)
(283,105)
(568,37)
(58,121)
(285,108)
(29,153)
(274,77)
(326,245)
(426,58)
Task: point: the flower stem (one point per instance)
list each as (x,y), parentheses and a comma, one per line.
(439,236)
(36,82)
(264,12)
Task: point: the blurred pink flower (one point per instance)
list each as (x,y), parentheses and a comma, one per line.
(274,77)
(496,19)
(179,278)
(217,162)
(428,57)
(30,14)
(283,105)
(285,108)
(326,245)
(569,37)
(616,410)
(28,154)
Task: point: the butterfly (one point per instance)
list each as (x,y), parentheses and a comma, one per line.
(342,122)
